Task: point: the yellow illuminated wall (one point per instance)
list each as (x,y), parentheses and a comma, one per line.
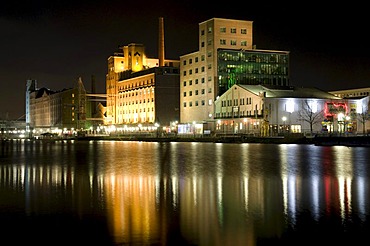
(135,100)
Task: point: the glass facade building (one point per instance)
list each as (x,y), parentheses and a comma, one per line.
(251,67)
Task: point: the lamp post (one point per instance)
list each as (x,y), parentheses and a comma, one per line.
(284,119)
(346,123)
(245,125)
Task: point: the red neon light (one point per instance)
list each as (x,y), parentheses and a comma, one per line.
(332,109)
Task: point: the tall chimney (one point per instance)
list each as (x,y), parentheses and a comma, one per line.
(93,91)
(161,42)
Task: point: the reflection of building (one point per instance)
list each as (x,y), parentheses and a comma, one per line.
(54,111)
(226,57)
(270,110)
(142,90)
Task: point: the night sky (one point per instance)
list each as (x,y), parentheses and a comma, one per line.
(55,42)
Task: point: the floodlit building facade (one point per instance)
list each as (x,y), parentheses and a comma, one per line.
(352,93)
(64,111)
(363,95)
(142,91)
(226,56)
(264,110)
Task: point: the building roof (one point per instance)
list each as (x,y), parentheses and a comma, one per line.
(289,92)
(40,92)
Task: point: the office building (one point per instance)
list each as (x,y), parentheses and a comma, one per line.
(226,56)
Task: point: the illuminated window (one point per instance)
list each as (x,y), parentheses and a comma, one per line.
(290,106)
(313,106)
(359,107)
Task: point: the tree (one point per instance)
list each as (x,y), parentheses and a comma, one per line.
(309,115)
(363,117)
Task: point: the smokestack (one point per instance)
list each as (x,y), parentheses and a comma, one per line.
(93,84)
(161,42)
(93,91)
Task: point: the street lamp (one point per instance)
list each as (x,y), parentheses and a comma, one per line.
(245,125)
(348,118)
(284,119)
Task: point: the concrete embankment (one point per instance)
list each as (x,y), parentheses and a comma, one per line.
(351,141)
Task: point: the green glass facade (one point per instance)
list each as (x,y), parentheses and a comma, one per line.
(251,67)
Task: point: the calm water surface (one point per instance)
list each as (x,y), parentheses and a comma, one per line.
(147,193)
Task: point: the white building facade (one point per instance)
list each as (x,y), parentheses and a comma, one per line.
(198,70)
(271,111)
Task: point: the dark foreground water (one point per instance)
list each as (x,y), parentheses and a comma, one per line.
(147,193)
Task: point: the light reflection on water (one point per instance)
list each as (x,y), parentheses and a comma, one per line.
(194,193)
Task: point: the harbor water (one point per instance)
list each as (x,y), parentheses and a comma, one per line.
(101,192)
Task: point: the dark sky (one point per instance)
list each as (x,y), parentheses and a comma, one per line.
(55,42)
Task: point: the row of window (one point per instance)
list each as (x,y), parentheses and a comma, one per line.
(233,42)
(196,70)
(196,60)
(136,102)
(243,56)
(237,114)
(224,30)
(136,85)
(135,119)
(123,112)
(136,93)
(196,92)
(196,82)
(196,103)
(202,69)
(242,101)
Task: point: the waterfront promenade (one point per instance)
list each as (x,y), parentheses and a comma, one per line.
(320,140)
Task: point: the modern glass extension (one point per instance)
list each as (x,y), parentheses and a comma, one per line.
(252,67)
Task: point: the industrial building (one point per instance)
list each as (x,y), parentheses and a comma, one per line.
(142,92)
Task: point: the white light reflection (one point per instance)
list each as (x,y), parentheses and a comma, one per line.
(246,193)
(157,190)
(292,198)
(195,190)
(344,170)
(315,185)
(344,196)
(289,183)
(174,191)
(219,192)
(284,176)
(361,190)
